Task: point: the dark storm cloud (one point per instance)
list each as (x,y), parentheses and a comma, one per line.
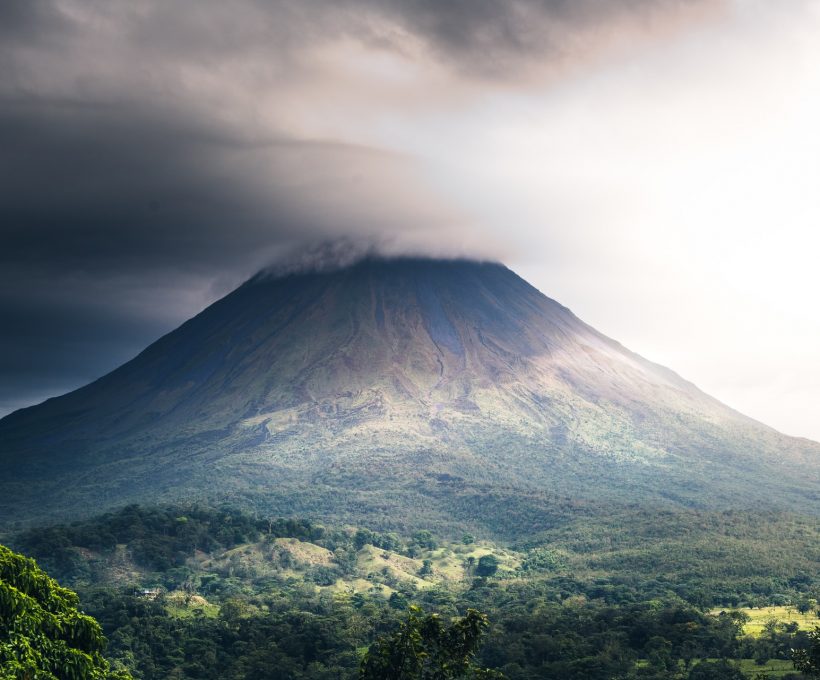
(149,158)
(489,38)
(112,188)
(479,36)
(116,190)
(23,20)
(474,35)
(116,223)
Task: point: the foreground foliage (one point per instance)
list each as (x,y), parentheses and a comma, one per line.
(42,634)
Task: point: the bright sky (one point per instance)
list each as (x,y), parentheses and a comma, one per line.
(683,186)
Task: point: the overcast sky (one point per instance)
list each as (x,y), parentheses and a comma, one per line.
(652,164)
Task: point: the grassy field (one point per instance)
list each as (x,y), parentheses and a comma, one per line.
(759,617)
(181,605)
(773,668)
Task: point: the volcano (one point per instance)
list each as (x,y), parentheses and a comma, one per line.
(452,386)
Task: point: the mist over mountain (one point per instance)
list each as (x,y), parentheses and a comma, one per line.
(450,386)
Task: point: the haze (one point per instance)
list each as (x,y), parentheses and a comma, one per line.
(651,165)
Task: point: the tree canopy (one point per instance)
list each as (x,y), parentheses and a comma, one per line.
(808,660)
(424,648)
(42,633)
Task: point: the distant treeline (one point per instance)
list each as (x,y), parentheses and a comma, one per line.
(620,555)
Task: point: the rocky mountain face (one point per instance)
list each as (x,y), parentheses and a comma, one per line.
(392,383)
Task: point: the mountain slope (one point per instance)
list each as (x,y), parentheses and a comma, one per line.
(388,384)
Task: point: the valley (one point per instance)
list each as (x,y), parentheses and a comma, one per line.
(666,592)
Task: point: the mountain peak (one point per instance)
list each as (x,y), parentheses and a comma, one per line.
(329,262)
(384,370)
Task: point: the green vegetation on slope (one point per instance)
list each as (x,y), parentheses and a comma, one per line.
(617,554)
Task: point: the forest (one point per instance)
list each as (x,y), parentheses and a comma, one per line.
(203,592)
